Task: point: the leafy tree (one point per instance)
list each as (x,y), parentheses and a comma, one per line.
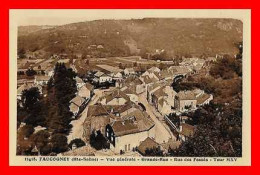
(156,151)
(33,106)
(59,143)
(21,52)
(41,140)
(30,72)
(61,89)
(26,131)
(226,68)
(77,142)
(98,141)
(175,119)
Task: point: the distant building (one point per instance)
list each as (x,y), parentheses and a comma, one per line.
(189,100)
(116,97)
(101,77)
(41,80)
(75,105)
(79,82)
(86,91)
(129,71)
(131,93)
(186,131)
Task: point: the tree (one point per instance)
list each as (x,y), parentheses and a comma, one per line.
(156,151)
(21,52)
(41,141)
(174,119)
(59,143)
(30,72)
(226,68)
(121,66)
(26,131)
(30,97)
(98,141)
(61,89)
(33,107)
(77,142)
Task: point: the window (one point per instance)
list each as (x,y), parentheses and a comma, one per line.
(128,147)
(125,147)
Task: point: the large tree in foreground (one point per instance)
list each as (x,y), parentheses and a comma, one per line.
(61,89)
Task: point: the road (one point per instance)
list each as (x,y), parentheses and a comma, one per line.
(77,125)
(162,134)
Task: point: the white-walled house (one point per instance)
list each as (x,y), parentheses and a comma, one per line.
(86,91)
(130,92)
(127,134)
(101,77)
(154,69)
(189,100)
(185,100)
(49,71)
(75,104)
(79,82)
(129,71)
(41,80)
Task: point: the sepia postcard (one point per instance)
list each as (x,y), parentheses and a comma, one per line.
(126,87)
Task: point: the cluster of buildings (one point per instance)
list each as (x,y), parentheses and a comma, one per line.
(127,126)
(119,114)
(83,95)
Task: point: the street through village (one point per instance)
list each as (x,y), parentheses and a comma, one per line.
(162,134)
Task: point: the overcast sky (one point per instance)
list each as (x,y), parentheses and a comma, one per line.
(60,17)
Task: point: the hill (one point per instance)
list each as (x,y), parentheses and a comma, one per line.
(135,36)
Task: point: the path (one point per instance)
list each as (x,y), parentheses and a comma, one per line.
(162,134)
(77,125)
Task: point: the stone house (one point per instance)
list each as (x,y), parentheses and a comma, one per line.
(127,134)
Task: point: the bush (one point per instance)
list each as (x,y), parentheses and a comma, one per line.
(26,131)
(77,142)
(98,141)
(59,143)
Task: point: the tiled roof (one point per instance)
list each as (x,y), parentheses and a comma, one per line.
(99,110)
(124,127)
(82,151)
(187,130)
(74,108)
(78,100)
(89,86)
(148,143)
(136,121)
(117,93)
(186,95)
(159,93)
(99,74)
(202,98)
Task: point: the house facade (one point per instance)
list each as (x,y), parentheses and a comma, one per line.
(127,134)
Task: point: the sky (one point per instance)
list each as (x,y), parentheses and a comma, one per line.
(60,17)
